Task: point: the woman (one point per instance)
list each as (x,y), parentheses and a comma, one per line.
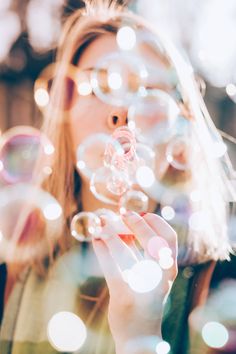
(74,281)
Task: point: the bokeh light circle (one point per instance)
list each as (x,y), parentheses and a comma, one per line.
(66,332)
(214,334)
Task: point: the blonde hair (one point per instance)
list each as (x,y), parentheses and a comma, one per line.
(82,27)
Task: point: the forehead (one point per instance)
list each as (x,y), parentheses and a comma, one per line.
(106,44)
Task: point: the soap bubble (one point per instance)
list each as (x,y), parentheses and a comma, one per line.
(153,117)
(30,219)
(91,153)
(180,148)
(25,155)
(134,200)
(117,78)
(85,225)
(108,184)
(178,153)
(162,74)
(121,148)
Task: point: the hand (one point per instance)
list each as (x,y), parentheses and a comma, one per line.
(133,314)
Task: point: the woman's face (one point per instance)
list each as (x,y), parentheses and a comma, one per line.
(89,114)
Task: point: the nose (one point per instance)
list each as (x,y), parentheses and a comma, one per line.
(117,118)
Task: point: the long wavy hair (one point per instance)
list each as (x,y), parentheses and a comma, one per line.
(80,29)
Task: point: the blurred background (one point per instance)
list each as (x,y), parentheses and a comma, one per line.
(204,29)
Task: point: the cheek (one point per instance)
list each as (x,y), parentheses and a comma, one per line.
(89,116)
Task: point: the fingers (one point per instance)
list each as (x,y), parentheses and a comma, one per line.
(162,229)
(139,227)
(147,228)
(109,267)
(123,255)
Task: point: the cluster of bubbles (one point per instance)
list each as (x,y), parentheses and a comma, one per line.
(26,210)
(149,158)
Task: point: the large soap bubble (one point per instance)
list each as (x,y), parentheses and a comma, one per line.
(30,222)
(25,155)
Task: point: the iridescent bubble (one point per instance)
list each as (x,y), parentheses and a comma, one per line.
(85,225)
(161,73)
(179,151)
(25,155)
(118,182)
(142,166)
(153,117)
(90,153)
(121,148)
(108,184)
(145,155)
(30,222)
(134,200)
(117,78)
(66,332)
